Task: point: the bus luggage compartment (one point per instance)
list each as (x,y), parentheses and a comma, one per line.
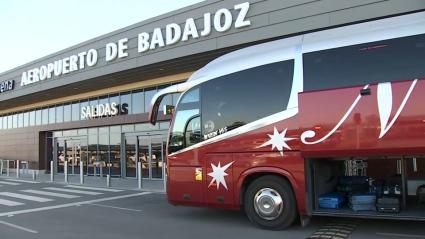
(380,187)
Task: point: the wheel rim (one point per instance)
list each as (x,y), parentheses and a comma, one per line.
(268,204)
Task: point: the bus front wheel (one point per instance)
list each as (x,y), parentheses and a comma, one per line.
(270,203)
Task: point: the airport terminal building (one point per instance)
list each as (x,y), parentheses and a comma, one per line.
(89,103)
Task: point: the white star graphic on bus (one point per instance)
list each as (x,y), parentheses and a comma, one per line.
(278,140)
(218,174)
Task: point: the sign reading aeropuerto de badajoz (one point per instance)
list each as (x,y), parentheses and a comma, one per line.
(220,21)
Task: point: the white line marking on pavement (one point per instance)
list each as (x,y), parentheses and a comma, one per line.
(21,181)
(18,227)
(59,195)
(73,191)
(95,189)
(400,235)
(9,183)
(10,203)
(72,204)
(25,197)
(121,208)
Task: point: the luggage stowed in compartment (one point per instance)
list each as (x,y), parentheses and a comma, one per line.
(420,192)
(388,205)
(353,184)
(363,202)
(331,200)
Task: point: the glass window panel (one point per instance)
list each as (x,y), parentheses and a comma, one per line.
(44,116)
(9,121)
(4,122)
(228,102)
(366,63)
(82,132)
(148,97)
(75,111)
(20,120)
(59,114)
(57,133)
(26,119)
(128,128)
(93,101)
(138,100)
(38,117)
(125,99)
(67,113)
(114,99)
(103,149)
(164,125)
(104,130)
(83,104)
(115,150)
(146,127)
(1,122)
(175,97)
(92,142)
(115,129)
(52,115)
(15,121)
(167,100)
(32,118)
(73,132)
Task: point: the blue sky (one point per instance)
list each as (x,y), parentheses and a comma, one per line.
(31,29)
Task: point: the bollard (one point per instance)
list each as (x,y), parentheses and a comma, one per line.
(108,180)
(94,170)
(65,170)
(81,172)
(1,167)
(17,169)
(7,168)
(101,171)
(33,175)
(139,174)
(52,175)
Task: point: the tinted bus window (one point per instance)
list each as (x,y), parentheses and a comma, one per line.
(375,62)
(239,98)
(187,110)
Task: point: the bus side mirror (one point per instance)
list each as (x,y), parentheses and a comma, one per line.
(169,109)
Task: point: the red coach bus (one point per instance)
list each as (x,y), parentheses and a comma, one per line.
(327,123)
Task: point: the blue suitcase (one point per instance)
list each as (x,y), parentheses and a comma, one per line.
(363,207)
(363,202)
(363,199)
(331,200)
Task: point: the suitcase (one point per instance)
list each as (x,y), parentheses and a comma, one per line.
(351,180)
(368,199)
(378,188)
(363,202)
(353,188)
(331,200)
(388,205)
(363,207)
(420,192)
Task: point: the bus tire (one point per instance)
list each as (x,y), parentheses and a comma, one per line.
(269,202)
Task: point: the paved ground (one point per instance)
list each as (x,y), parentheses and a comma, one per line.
(53,210)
